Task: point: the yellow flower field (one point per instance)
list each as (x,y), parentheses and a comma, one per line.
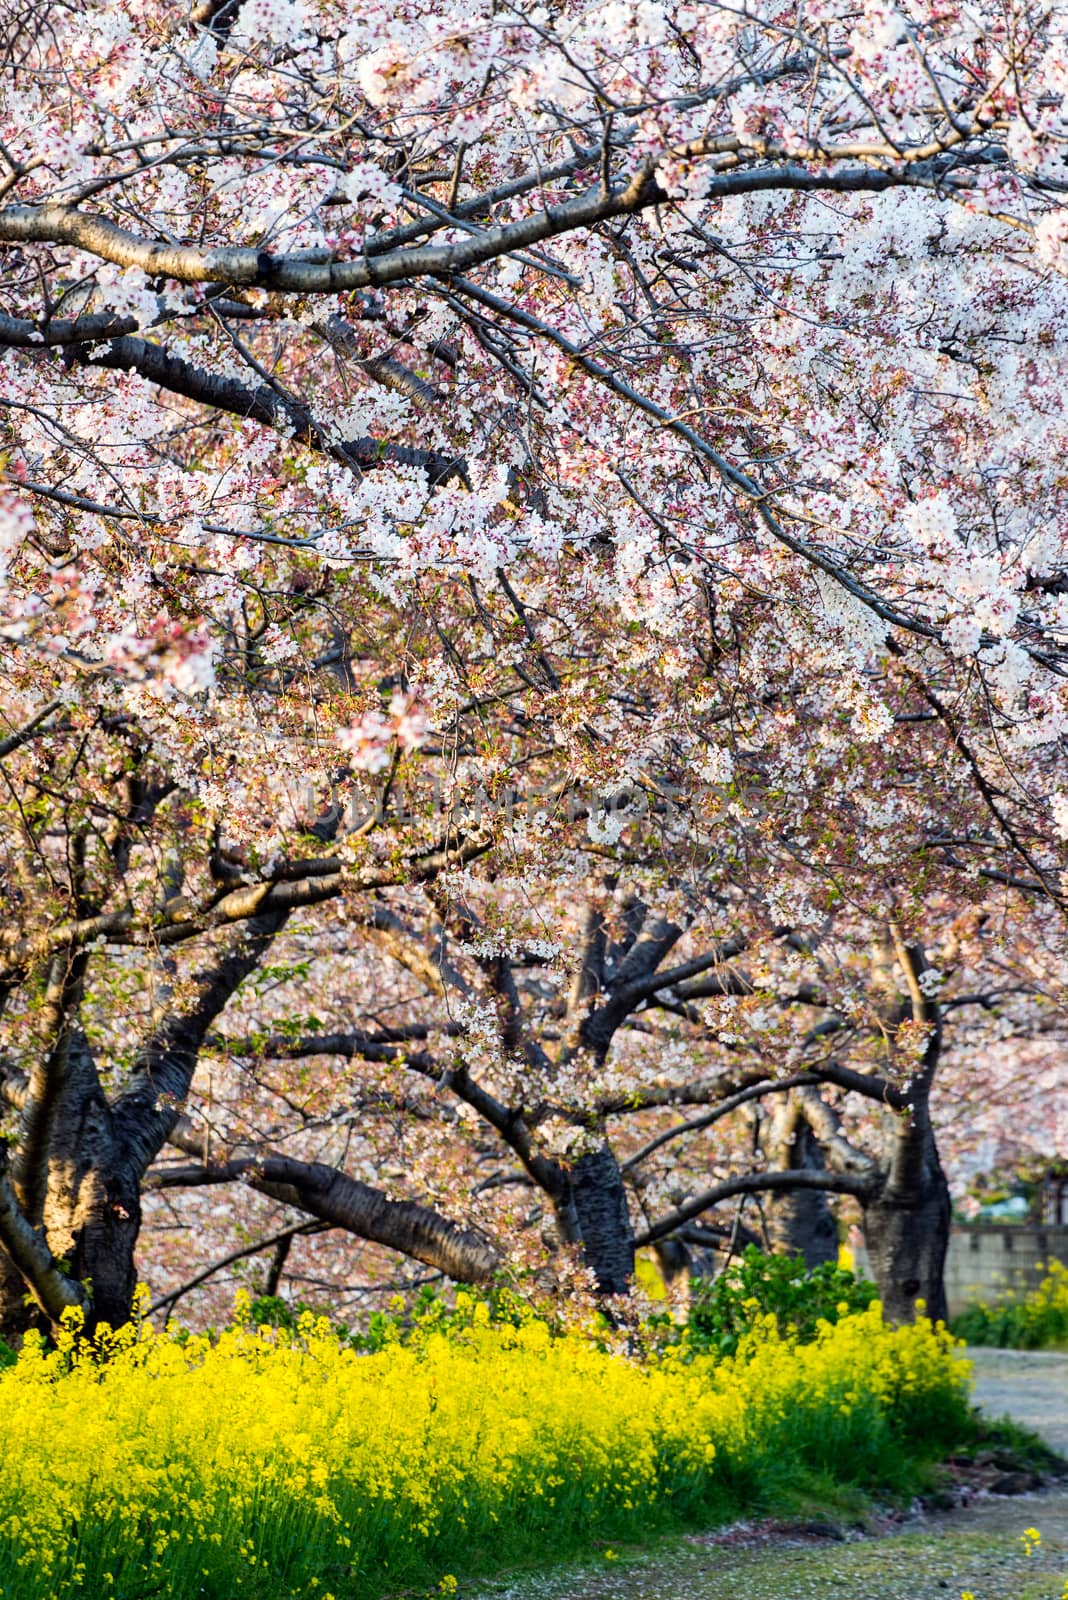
(267,1465)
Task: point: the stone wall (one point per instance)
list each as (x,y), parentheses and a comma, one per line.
(985,1259)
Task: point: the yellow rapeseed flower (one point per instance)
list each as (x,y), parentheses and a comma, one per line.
(212,1463)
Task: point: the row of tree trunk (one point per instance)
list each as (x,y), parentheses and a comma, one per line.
(70,1206)
(906,1222)
(906,1219)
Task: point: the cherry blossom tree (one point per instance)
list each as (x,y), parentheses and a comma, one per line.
(534,1058)
(657,403)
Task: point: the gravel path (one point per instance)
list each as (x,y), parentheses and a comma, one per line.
(976,1549)
(1028,1385)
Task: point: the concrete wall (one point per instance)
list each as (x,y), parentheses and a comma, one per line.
(985,1259)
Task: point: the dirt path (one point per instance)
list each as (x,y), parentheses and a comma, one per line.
(976,1549)
(1029,1385)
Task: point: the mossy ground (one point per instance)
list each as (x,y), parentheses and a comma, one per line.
(977,1550)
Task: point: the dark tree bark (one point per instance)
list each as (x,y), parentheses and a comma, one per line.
(593,1212)
(675,1260)
(74,1209)
(92,1208)
(799,1221)
(333,1197)
(88,1213)
(907,1218)
(902,1189)
(906,1225)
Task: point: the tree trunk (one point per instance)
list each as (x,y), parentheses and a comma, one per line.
(91,1226)
(101,1224)
(799,1221)
(90,1207)
(677,1270)
(593,1212)
(907,1231)
(908,1216)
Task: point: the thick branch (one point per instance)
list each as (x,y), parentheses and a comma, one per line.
(20,736)
(19,333)
(868,1084)
(304,884)
(826,1124)
(261,404)
(315,273)
(45,1080)
(755,1091)
(632,994)
(399,941)
(13,1085)
(351,1046)
(146,1112)
(754,1183)
(504,1120)
(654,941)
(333,1197)
(700,1092)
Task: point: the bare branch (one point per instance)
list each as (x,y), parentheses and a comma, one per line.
(170,1300)
(754,1183)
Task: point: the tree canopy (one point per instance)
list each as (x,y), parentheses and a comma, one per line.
(534,561)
